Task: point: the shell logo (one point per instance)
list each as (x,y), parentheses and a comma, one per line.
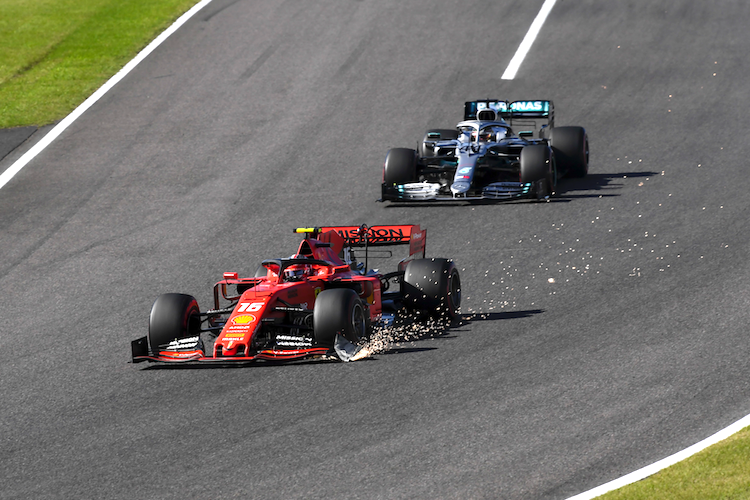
(243,319)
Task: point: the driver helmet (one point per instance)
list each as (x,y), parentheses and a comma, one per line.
(467,134)
(500,133)
(297,272)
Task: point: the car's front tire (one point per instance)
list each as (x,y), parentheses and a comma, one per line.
(400,166)
(537,166)
(173,316)
(339,311)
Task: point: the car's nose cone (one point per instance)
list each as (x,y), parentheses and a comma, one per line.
(460,187)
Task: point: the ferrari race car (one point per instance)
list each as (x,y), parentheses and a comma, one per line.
(485,158)
(321,301)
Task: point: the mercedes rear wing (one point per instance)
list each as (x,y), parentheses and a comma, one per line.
(537,115)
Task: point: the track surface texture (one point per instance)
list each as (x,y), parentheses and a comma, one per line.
(601,331)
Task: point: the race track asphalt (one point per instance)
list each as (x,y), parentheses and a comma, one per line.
(601,331)
(13,138)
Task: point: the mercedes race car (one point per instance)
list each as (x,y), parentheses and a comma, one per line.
(322,301)
(502,150)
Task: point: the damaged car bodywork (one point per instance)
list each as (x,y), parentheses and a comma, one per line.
(321,301)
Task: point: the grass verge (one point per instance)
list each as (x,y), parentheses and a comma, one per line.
(56,53)
(721,471)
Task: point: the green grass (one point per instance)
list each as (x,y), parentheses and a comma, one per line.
(56,53)
(721,471)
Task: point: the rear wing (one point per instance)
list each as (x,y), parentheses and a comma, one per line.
(538,114)
(364,236)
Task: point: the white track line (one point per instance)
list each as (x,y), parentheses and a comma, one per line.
(528,40)
(58,129)
(664,463)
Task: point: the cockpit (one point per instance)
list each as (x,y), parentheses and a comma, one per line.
(488,133)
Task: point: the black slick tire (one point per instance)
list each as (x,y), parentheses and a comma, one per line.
(339,311)
(173,316)
(400,166)
(537,166)
(432,286)
(536,163)
(571,148)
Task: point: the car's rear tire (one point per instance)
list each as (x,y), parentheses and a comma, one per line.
(339,311)
(571,148)
(173,316)
(437,134)
(433,286)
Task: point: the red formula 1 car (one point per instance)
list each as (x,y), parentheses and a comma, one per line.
(320,302)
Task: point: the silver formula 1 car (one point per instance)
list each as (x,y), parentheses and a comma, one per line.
(502,150)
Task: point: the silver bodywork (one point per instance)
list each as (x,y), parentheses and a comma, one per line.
(480,158)
(477,141)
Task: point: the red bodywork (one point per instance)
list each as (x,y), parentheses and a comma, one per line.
(257,312)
